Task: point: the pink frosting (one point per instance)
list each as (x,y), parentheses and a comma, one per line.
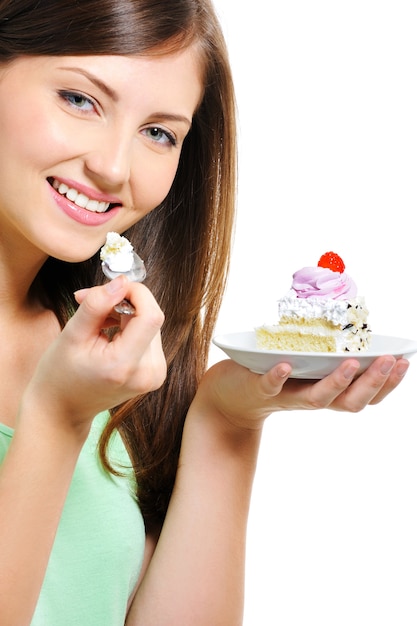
(320,282)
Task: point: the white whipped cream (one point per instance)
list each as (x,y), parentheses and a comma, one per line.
(338,312)
(345,321)
(117,253)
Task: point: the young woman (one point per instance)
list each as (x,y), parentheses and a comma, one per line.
(126,468)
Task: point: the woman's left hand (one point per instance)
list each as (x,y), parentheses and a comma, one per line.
(246,399)
(341,391)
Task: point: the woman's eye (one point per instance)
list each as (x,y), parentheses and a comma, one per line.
(78,101)
(160,135)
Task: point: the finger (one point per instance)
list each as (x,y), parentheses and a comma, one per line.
(80,294)
(323,393)
(366,387)
(112,320)
(96,307)
(114,286)
(147,314)
(271,383)
(396,376)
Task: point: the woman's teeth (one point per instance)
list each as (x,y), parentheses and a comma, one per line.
(80,199)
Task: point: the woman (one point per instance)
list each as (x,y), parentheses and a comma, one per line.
(118,115)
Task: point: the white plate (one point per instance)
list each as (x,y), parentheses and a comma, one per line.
(241,347)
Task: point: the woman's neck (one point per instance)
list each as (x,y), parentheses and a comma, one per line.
(17,273)
(28,332)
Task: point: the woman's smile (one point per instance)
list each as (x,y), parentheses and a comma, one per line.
(80,207)
(86,198)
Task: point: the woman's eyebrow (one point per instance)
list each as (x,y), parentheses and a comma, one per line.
(96,81)
(172,117)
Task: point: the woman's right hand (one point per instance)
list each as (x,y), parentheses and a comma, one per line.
(80,374)
(83,372)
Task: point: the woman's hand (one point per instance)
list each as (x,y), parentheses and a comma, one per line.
(344,391)
(246,399)
(83,372)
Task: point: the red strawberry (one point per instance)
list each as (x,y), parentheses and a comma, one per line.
(332,261)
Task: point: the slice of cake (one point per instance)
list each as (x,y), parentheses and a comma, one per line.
(321,313)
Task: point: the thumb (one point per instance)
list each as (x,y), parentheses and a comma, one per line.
(271,383)
(113,287)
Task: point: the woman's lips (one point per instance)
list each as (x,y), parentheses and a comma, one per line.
(71,201)
(84,197)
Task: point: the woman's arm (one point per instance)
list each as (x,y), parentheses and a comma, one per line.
(196,575)
(80,374)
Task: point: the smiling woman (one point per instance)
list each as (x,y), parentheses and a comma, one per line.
(125,467)
(103,124)
(104,140)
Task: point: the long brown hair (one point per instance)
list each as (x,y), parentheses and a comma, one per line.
(185,241)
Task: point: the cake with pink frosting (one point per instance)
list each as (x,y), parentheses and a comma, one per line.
(321,313)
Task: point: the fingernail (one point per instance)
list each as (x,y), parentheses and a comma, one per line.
(386,367)
(402,368)
(283,371)
(350,370)
(80,291)
(115,285)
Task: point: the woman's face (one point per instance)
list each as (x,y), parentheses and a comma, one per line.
(89,144)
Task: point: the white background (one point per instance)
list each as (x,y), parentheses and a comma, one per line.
(327,104)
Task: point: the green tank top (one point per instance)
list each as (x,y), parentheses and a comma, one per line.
(98,550)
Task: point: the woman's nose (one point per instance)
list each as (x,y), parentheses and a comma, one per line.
(110,160)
